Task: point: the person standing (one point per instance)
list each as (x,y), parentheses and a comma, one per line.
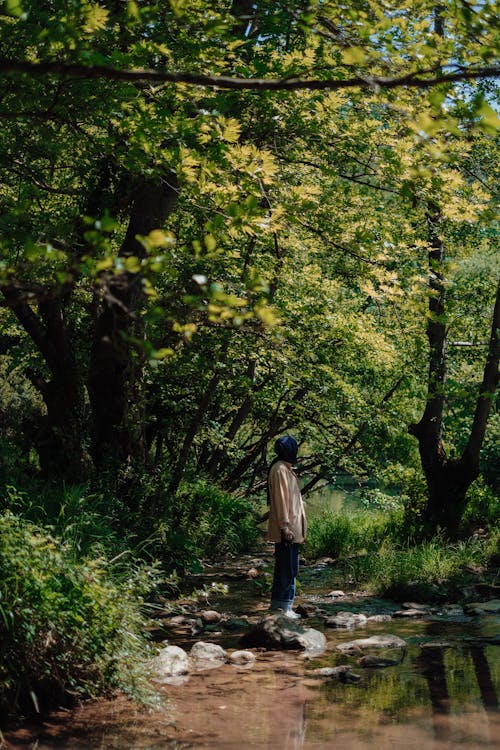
(287,524)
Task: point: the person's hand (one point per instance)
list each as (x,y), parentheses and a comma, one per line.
(288,535)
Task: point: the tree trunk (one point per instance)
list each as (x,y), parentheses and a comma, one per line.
(449,479)
(59,436)
(117,433)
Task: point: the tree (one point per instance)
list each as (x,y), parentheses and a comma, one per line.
(448,479)
(152,214)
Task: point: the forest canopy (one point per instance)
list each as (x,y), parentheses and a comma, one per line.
(224,221)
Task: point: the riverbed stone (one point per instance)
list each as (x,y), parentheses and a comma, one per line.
(335,594)
(236,623)
(451,610)
(375,641)
(210,616)
(379,618)
(242,658)
(279,632)
(435,645)
(416,605)
(346,620)
(306,610)
(207,655)
(342,673)
(171,661)
(411,613)
(483,608)
(177,620)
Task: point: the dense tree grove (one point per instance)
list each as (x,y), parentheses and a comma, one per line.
(195,261)
(222,222)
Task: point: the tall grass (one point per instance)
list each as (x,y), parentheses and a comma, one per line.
(348,533)
(92,523)
(206,522)
(433,569)
(373,551)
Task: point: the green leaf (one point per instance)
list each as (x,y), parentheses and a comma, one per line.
(133,10)
(161,353)
(488,116)
(14,8)
(210,242)
(353,56)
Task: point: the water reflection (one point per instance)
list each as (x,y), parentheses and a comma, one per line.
(489,694)
(288,716)
(441,697)
(430,663)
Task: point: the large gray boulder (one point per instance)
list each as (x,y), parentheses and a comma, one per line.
(207,655)
(279,632)
(170,662)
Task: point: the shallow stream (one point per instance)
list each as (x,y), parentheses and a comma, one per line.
(442,693)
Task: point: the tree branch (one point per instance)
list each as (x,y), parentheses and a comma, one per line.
(414,79)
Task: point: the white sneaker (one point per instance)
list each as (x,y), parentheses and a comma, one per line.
(292,615)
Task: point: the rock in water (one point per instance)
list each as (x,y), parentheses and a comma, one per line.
(307,610)
(210,616)
(172,661)
(377,662)
(279,632)
(376,641)
(379,618)
(343,673)
(346,620)
(207,655)
(242,658)
(483,608)
(420,612)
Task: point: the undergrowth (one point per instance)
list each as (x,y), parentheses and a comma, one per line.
(374,552)
(340,534)
(68,627)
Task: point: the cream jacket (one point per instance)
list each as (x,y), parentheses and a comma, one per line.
(287,507)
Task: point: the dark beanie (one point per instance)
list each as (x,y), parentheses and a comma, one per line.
(286,448)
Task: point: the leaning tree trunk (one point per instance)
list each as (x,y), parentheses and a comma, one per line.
(117,433)
(449,479)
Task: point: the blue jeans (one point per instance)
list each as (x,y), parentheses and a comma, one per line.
(286,567)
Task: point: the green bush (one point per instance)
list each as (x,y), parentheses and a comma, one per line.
(93,523)
(483,506)
(66,626)
(207,522)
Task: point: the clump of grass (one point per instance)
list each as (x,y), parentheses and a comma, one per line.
(374,551)
(432,570)
(342,534)
(67,627)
